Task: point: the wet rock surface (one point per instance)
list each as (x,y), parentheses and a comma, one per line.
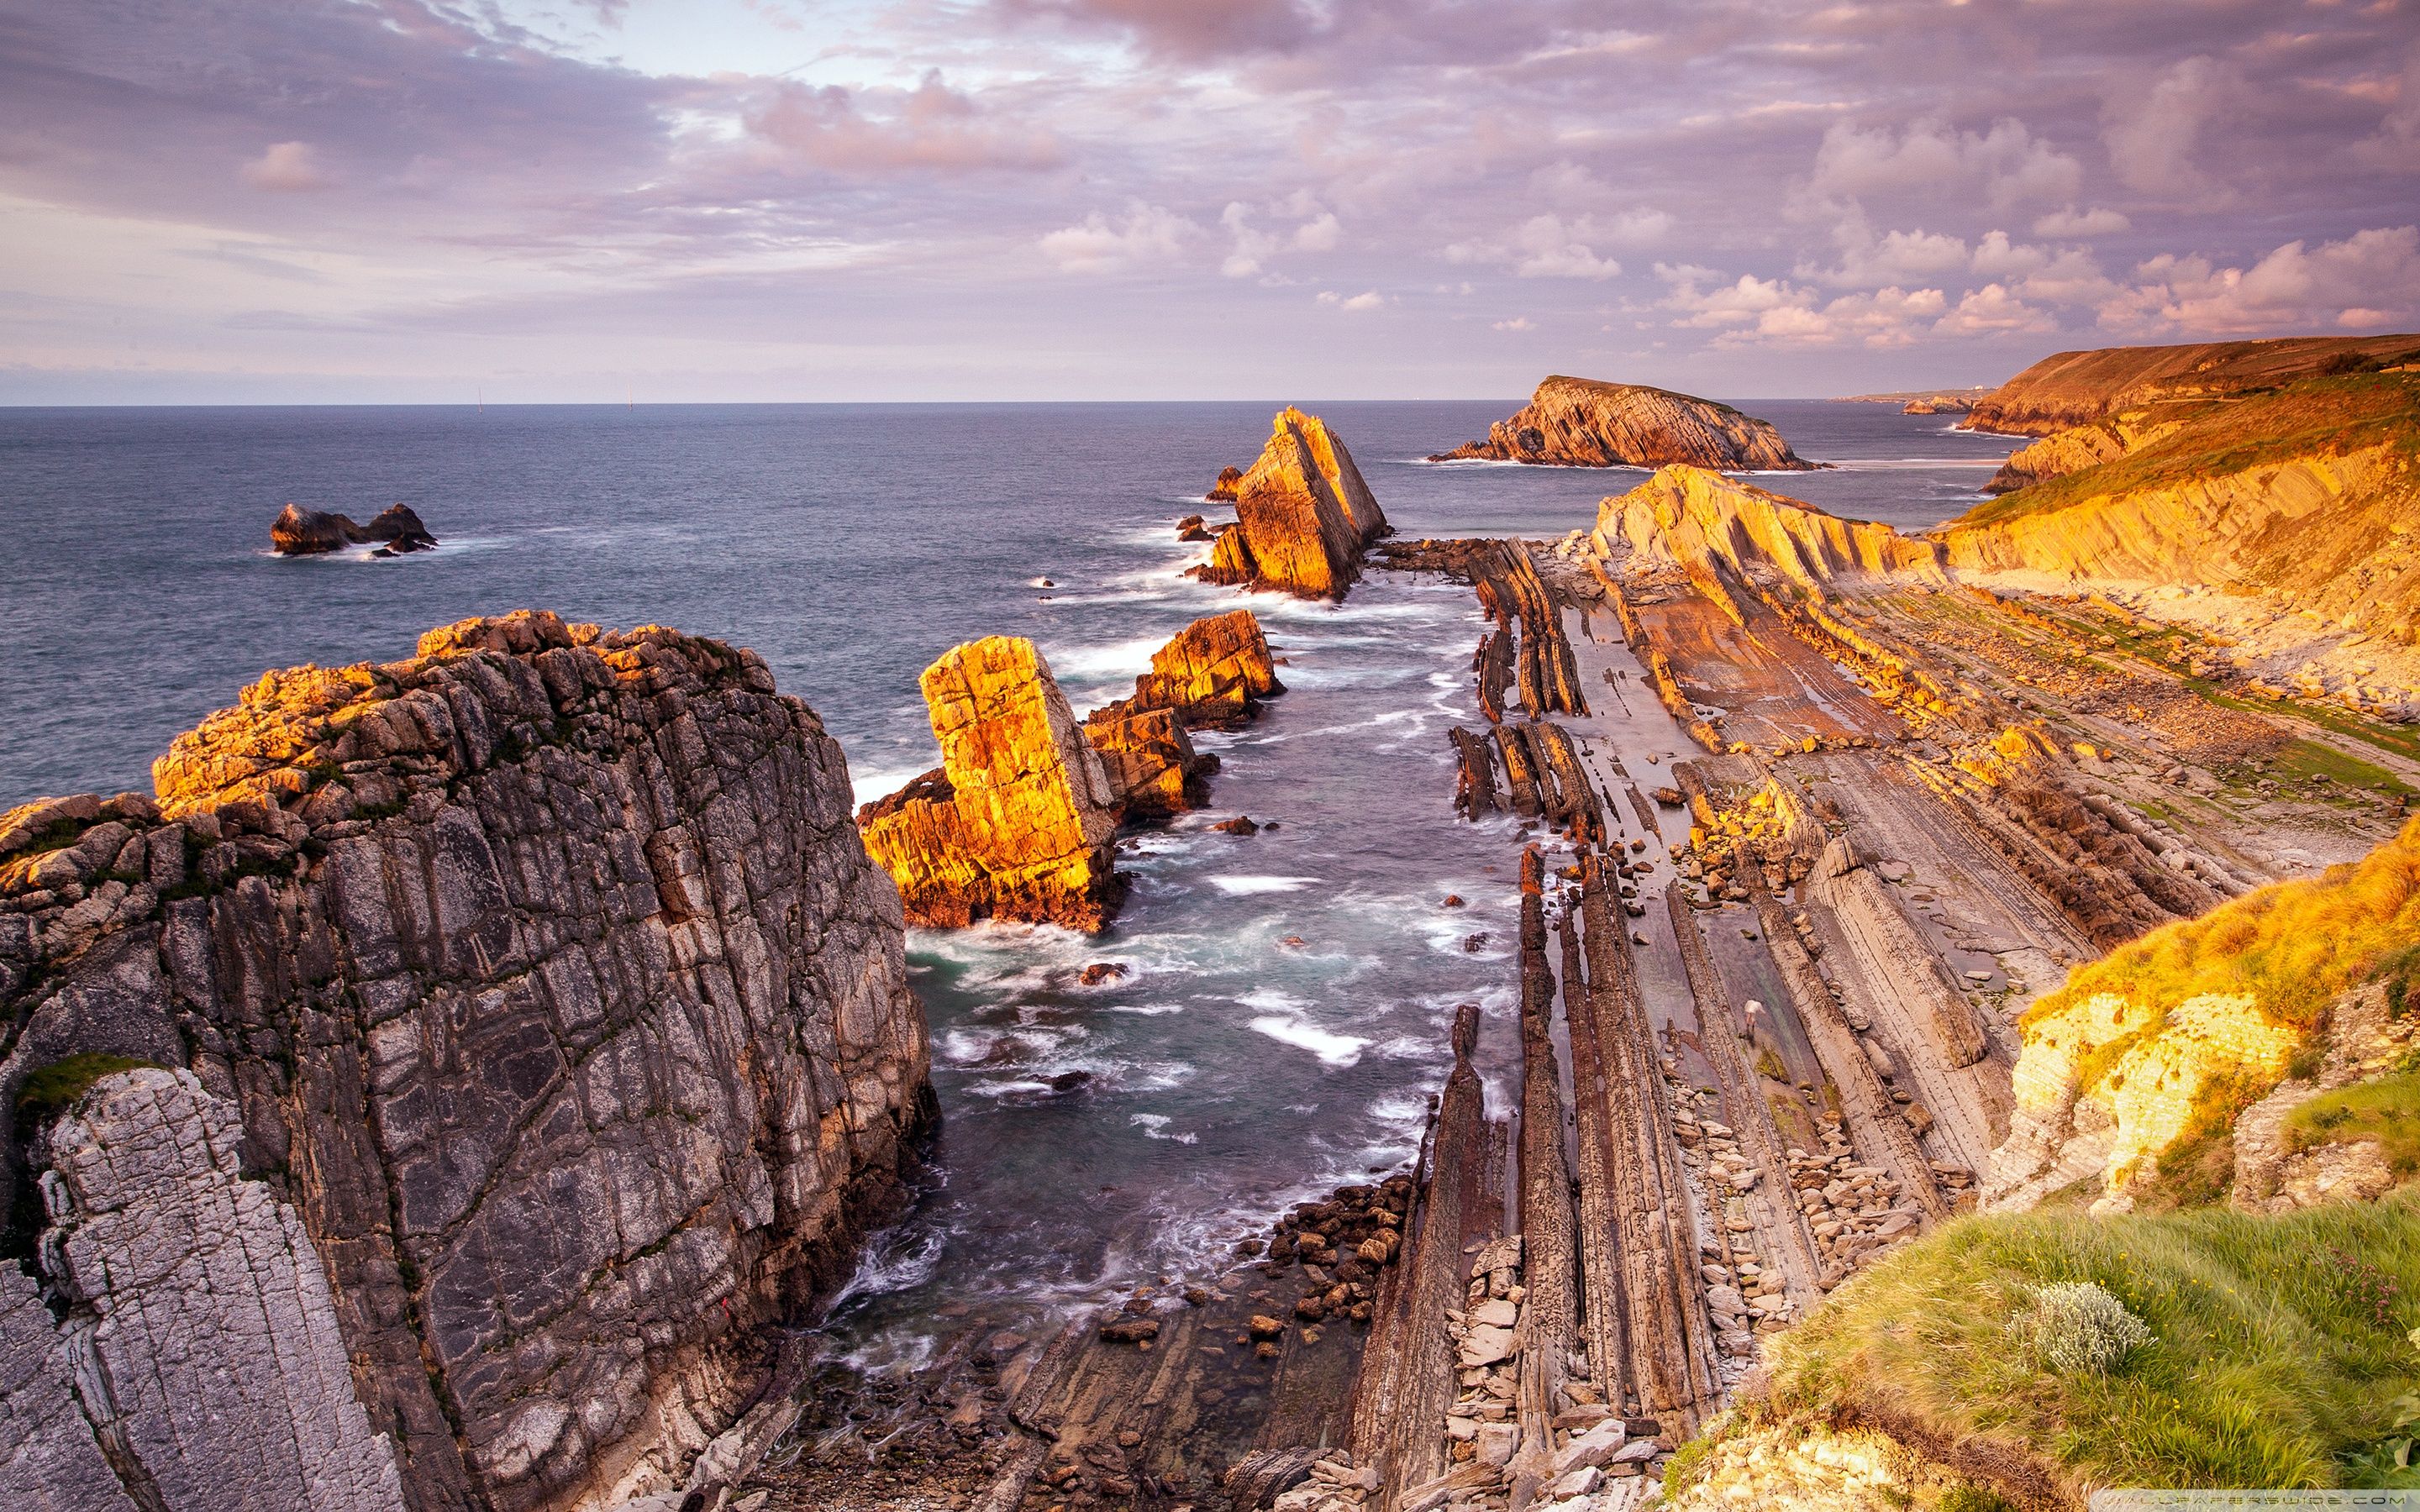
(558,999)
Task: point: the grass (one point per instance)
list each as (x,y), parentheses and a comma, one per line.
(2292,946)
(2321,416)
(2278,1343)
(55,1088)
(2386,1110)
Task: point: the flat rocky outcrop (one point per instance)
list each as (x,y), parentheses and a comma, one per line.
(2080,387)
(1303,515)
(396,530)
(558,1003)
(1017,821)
(1581,422)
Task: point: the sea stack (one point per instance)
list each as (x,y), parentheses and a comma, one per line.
(1303,515)
(1015,822)
(445,1082)
(1581,422)
(1211,675)
(298,531)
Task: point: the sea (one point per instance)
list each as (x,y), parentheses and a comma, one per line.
(1280,1023)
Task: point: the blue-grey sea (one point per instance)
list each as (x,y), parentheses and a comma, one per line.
(1229,1069)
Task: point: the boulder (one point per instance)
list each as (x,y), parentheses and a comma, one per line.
(1016,822)
(1573,422)
(1223,491)
(1303,515)
(1154,772)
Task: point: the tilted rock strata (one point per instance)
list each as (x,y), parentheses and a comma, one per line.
(1211,675)
(560,1002)
(1303,515)
(1690,519)
(1155,773)
(299,532)
(1016,822)
(217,1374)
(1579,423)
(2080,387)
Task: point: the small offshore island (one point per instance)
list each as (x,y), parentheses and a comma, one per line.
(1963,1015)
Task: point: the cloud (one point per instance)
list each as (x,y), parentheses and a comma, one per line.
(2008,163)
(1519,322)
(287,168)
(932,127)
(2395,144)
(1993,310)
(2071,221)
(1252,248)
(1183,29)
(1147,234)
(1370,299)
(2371,278)
(1896,257)
(2152,133)
(1545,246)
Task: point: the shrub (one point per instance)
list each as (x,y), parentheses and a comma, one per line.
(1967,1497)
(2081,1328)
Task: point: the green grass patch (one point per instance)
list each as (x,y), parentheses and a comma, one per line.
(2302,759)
(2386,1110)
(2292,946)
(55,1088)
(2315,417)
(2277,1343)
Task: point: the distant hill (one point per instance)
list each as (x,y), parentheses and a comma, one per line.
(2077,388)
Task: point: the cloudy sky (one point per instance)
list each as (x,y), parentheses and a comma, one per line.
(280,200)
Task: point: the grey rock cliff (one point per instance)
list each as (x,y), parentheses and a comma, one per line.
(558,998)
(200,1364)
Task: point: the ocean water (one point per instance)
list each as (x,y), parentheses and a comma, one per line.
(1282,1022)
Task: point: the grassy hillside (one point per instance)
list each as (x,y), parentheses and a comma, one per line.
(2278,1348)
(2292,946)
(2079,387)
(2315,417)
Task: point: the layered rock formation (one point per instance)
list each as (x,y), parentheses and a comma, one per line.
(1303,515)
(298,531)
(1212,675)
(2077,388)
(1573,422)
(1017,821)
(561,1007)
(1690,519)
(2307,492)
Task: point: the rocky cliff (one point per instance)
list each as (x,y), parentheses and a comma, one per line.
(2078,387)
(1579,423)
(2307,492)
(1017,821)
(1303,515)
(1691,519)
(539,980)
(2133,1072)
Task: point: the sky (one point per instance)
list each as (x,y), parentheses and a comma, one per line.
(436,201)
